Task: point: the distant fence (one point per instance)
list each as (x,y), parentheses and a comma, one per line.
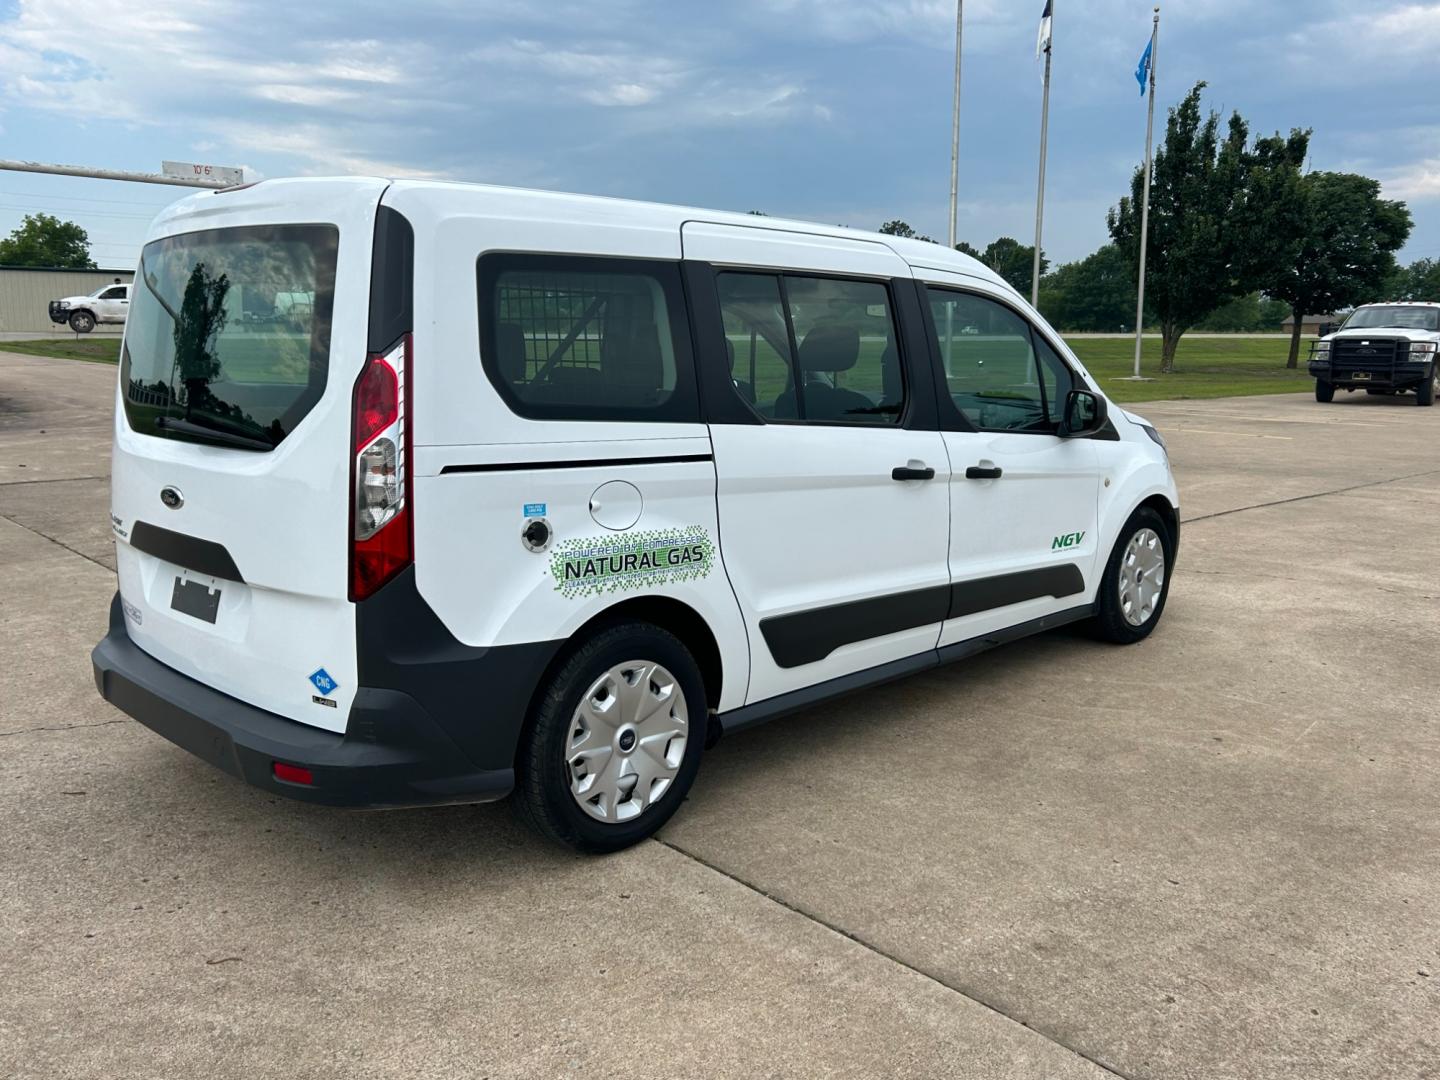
(26,292)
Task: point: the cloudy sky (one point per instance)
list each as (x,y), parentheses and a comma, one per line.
(834,110)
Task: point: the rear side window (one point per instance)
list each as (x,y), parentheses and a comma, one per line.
(572,338)
(812,350)
(228,339)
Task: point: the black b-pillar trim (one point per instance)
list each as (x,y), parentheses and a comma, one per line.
(392,280)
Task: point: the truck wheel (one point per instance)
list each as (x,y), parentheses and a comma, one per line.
(1425,392)
(1324,391)
(82,322)
(614,740)
(1136,580)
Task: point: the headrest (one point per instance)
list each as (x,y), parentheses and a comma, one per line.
(730,353)
(510,351)
(833,347)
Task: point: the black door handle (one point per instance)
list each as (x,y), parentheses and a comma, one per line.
(975,472)
(904,472)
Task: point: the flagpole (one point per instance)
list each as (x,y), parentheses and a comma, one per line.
(1145,200)
(1040,187)
(955,127)
(954,171)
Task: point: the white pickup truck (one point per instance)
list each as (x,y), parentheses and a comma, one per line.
(107,304)
(1381,349)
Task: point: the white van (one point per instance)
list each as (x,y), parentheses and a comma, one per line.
(542,493)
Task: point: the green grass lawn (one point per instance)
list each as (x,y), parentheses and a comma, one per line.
(1205,367)
(96,350)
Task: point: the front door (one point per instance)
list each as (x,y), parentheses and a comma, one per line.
(832,493)
(1024,501)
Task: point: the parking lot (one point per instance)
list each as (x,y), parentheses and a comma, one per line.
(1213,854)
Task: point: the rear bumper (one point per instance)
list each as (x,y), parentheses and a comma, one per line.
(393,754)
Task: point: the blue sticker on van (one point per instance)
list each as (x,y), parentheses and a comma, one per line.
(322,681)
(534,509)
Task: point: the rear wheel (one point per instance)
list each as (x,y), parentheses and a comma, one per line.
(82,322)
(1425,392)
(1136,581)
(615,740)
(1324,391)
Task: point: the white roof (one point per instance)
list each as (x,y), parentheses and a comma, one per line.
(555,205)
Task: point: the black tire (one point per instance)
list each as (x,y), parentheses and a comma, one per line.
(1324,391)
(1425,392)
(1110,623)
(543,798)
(82,322)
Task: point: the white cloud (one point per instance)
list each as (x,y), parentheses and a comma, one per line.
(1403,32)
(1416,182)
(258,76)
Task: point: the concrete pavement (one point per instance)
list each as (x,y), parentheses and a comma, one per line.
(1213,854)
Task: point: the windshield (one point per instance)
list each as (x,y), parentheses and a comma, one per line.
(229,333)
(1394,316)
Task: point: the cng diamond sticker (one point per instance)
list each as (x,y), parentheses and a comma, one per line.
(322,681)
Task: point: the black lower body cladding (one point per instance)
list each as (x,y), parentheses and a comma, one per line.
(480,696)
(434,721)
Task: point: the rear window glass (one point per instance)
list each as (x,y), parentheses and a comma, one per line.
(570,337)
(228,338)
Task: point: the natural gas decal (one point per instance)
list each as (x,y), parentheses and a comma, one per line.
(602,564)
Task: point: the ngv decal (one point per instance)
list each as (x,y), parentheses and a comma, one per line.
(1069,540)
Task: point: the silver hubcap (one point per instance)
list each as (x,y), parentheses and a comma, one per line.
(1142,576)
(627,741)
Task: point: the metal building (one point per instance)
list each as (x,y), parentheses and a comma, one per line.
(26,292)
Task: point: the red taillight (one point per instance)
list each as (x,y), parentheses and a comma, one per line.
(293,774)
(377,400)
(381,531)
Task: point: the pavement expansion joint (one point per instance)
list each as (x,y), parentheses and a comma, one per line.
(51,480)
(66,727)
(1314,495)
(58,543)
(892,958)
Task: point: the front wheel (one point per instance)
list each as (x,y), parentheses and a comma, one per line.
(614,741)
(1324,391)
(1136,581)
(1425,392)
(82,322)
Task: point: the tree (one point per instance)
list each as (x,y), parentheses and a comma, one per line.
(1418,281)
(1095,294)
(1009,258)
(1013,261)
(1225,217)
(903,230)
(1347,254)
(42,240)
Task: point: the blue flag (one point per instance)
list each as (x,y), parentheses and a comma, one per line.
(1142,73)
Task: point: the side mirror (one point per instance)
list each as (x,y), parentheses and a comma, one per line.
(1085,414)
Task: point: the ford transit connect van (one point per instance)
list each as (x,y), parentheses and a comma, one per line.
(432,493)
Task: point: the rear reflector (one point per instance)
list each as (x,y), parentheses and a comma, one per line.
(293,774)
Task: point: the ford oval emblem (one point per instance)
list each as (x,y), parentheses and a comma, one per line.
(172,498)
